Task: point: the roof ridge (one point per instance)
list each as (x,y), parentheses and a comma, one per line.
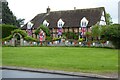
(74,10)
(80,9)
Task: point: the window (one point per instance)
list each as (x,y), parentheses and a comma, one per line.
(45,23)
(60,23)
(29,25)
(84,22)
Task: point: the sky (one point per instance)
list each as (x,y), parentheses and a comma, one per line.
(28,9)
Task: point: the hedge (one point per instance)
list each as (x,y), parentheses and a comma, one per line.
(23,33)
(7,38)
(28,38)
(6,30)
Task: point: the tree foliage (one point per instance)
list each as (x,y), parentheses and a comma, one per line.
(108,32)
(8,17)
(112,33)
(20,22)
(70,35)
(108,19)
(98,31)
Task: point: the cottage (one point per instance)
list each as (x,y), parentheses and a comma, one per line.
(76,20)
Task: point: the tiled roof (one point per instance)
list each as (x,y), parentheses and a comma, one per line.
(71,18)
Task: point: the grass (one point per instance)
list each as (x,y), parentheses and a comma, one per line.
(98,60)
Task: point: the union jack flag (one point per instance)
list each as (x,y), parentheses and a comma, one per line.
(29,32)
(59,31)
(83,30)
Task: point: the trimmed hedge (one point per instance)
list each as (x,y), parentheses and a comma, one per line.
(7,38)
(6,30)
(23,33)
(28,38)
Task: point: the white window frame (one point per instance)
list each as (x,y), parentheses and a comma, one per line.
(45,23)
(60,23)
(84,22)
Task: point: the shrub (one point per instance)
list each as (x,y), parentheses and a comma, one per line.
(7,38)
(81,39)
(23,33)
(28,38)
(48,38)
(70,35)
(6,30)
(44,28)
(56,39)
(98,32)
(88,34)
(112,34)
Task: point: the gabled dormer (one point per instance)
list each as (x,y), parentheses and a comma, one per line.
(45,23)
(102,20)
(60,23)
(29,25)
(84,22)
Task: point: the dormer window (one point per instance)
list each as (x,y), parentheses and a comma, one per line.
(102,21)
(60,23)
(45,23)
(29,25)
(84,22)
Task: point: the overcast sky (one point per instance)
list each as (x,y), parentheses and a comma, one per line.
(28,9)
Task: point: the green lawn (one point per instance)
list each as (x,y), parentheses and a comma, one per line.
(76,59)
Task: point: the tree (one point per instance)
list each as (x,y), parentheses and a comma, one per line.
(96,32)
(112,33)
(8,16)
(108,19)
(20,22)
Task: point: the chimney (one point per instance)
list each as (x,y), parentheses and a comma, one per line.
(74,8)
(48,10)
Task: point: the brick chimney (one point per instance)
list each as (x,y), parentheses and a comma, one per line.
(74,8)
(48,10)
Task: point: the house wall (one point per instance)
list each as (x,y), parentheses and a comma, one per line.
(53,31)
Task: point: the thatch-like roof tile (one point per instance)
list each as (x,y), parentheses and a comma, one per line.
(71,18)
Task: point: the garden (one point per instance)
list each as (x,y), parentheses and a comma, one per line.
(99,36)
(99,54)
(74,59)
